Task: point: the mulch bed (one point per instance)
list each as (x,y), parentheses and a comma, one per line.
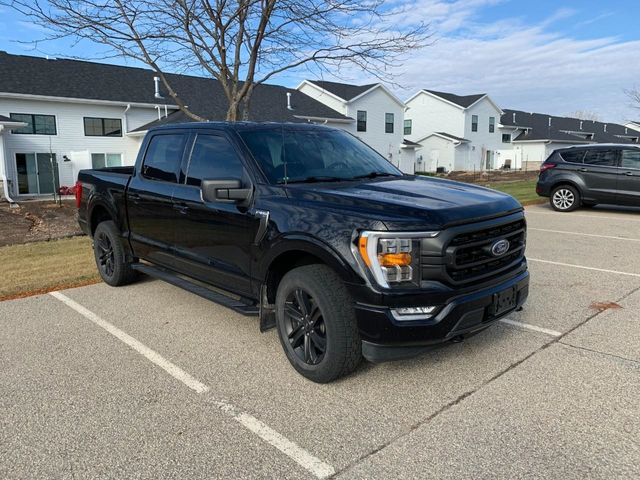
(36,221)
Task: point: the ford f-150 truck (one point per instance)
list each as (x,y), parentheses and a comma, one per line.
(313,231)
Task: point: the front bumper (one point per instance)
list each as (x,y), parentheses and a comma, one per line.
(385,338)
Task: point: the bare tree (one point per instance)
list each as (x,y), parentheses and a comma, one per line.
(634,96)
(585,115)
(240,43)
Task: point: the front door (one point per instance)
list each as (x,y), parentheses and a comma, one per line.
(149,205)
(600,174)
(629,178)
(213,239)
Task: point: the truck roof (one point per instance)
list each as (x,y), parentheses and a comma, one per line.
(239,126)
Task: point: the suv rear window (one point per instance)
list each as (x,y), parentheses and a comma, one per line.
(601,158)
(573,156)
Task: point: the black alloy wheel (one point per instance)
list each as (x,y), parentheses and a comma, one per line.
(105,254)
(305,327)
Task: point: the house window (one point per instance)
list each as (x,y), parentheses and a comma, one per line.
(388,123)
(506,138)
(36,124)
(492,124)
(474,123)
(407,127)
(362,121)
(102,160)
(102,127)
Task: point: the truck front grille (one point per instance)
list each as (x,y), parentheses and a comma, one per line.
(469,258)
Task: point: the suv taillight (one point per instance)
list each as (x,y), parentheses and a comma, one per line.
(78,194)
(547,166)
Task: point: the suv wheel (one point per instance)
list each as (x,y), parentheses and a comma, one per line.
(110,255)
(565,198)
(316,323)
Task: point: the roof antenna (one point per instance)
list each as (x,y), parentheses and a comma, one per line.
(156,81)
(289,107)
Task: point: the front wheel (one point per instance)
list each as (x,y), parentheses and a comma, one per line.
(565,198)
(316,323)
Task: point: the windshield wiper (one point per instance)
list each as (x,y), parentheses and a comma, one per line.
(314,179)
(375,175)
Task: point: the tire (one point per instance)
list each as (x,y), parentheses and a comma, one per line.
(110,255)
(327,319)
(564,198)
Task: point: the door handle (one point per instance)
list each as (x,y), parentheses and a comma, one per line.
(629,174)
(134,197)
(584,170)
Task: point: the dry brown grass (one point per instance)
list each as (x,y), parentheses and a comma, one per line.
(42,267)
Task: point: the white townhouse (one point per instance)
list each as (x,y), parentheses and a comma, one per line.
(455,132)
(59,116)
(379,116)
(633,125)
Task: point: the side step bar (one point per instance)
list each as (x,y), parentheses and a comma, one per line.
(235,304)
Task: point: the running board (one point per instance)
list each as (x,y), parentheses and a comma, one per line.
(235,304)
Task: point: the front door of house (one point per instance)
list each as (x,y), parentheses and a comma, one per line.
(489,160)
(37,173)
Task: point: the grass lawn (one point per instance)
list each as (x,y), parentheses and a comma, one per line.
(35,268)
(524,191)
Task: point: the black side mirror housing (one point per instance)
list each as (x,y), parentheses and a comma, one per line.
(228,190)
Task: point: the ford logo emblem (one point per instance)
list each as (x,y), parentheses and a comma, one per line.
(500,247)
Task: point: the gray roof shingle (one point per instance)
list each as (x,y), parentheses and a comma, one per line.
(96,81)
(464,101)
(343,90)
(566,129)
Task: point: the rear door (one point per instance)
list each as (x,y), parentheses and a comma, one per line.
(213,239)
(149,204)
(629,177)
(600,174)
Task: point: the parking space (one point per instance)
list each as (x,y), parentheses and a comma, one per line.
(552,392)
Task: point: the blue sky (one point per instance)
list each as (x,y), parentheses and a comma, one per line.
(547,56)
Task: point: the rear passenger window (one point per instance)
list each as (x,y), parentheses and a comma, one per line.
(163,157)
(573,156)
(631,159)
(213,157)
(601,158)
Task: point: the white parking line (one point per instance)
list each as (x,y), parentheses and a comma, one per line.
(617,272)
(585,234)
(572,215)
(528,326)
(296,453)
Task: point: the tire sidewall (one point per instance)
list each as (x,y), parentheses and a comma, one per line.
(109,229)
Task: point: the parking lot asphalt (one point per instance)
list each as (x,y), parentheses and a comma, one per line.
(149,381)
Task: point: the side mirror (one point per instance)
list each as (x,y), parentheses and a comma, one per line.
(228,190)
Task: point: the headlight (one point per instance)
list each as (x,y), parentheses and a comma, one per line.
(392,257)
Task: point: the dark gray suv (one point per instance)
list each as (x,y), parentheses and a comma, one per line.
(591,174)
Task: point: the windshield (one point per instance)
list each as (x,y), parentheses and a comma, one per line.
(289,155)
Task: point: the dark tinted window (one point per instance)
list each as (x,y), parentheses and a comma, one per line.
(474,123)
(163,157)
(601,158)
(573,156)
(388,122)
(36,124)
(213,157)
(631,159)
(102,127)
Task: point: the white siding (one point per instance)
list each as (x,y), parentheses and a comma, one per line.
(429,114)
(436,152)
(323,97)
(482,140)
(70,139)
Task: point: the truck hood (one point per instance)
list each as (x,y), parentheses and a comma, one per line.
(408,202)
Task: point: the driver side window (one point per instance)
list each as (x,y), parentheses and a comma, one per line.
(213,157)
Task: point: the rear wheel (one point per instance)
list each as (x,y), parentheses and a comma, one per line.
(316,323)
(110,255)
(565,198)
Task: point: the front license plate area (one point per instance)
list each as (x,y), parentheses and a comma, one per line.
(504,301)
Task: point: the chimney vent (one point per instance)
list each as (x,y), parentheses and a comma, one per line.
(156,82)
(605,127)
(289,107)
(514,117)
(580,124)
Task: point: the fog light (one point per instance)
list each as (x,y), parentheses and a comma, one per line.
(413,313)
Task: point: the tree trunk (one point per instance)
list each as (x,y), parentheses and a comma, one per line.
(232,112)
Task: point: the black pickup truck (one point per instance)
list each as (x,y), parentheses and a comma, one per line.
(313,231)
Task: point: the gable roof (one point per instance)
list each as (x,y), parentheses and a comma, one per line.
(74,79)
(543,127)
(464,101)
(5,119)
(345,91)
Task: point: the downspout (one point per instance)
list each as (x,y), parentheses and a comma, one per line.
(126,120)
(5,181)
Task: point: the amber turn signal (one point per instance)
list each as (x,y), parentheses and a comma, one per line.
(362,247)
(395,259)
